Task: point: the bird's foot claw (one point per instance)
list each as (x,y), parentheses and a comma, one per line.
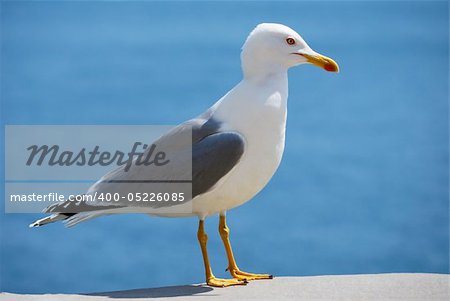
(218,282)
(238,274)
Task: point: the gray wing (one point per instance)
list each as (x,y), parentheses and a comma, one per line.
(213,157)
(214,153)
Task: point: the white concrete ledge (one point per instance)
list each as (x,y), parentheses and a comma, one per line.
(346,287)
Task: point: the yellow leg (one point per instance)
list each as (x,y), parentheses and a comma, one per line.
(210,278)
(232,266)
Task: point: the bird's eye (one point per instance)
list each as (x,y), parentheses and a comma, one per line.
(290,41)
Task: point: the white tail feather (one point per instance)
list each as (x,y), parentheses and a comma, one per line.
(49,219)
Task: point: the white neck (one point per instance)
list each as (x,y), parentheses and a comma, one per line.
(267,85)
(258,71)
(256,66)
(256,97)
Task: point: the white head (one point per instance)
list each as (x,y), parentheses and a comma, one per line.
(274,47)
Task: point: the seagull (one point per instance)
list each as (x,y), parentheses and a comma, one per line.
(237,145)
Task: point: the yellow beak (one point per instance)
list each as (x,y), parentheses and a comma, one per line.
(322,62)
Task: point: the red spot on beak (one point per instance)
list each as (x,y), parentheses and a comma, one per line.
(330,67)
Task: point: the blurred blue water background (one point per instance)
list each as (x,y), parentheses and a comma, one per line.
(363,186)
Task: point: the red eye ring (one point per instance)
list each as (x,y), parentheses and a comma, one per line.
(290,41)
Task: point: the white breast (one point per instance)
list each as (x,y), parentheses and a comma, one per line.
(257,110)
